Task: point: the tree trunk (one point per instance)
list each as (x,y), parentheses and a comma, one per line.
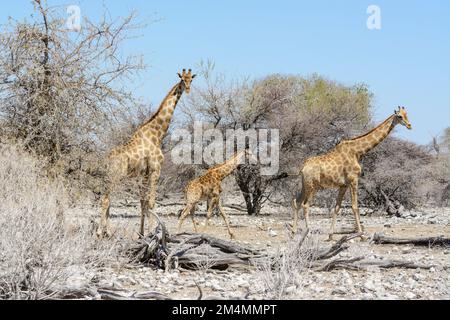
(249,180)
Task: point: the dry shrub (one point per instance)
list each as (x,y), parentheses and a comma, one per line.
(284,268)
(68,96)
(397,171)
(38,249)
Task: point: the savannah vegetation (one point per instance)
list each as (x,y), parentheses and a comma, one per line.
(65,100)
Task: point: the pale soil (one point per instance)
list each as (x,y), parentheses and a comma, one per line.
(268,232)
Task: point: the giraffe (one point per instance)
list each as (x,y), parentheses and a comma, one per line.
(208,187)
(340,169)
(142,157)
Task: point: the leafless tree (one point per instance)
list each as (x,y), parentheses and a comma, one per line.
(62,92)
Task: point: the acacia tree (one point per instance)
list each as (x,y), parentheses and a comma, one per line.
(61,91)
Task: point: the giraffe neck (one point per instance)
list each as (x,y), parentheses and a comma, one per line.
(159,122)
(370,140)
(229,166)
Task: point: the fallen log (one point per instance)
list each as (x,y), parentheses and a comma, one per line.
(339,264)
(224,245)
(189,251)
(387,264)
(107,293)
(380,238)
(151,249)
(359,263)
(113,293)
(125,295)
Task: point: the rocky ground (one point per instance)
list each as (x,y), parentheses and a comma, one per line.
(269,232)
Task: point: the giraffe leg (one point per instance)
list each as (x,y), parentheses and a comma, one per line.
(210,205)
(154,177)
(104,227)
(296,203)
(309,195)
(144,210)
(116,171)
(144,203)
(225,218)
(295,208)
(355,209)
(186,211)
(192,213)
(335,212)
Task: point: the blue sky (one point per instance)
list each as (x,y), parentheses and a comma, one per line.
(407,62)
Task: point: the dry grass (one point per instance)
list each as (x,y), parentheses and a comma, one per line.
(283,270)
(37,248)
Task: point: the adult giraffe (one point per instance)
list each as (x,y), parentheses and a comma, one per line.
(142,157)
(340,168)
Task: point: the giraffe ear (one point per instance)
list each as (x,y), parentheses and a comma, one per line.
(179,75)
(193,76)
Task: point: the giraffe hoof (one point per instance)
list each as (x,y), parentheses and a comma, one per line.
(330,237)
(232,236)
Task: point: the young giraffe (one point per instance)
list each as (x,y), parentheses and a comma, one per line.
(142,156)
(208,187)
(340,168)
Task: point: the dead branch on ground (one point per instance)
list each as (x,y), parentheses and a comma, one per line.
(380,238)
(189,251)
(200,251)
(359,263)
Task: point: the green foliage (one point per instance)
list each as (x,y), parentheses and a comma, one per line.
(319,95)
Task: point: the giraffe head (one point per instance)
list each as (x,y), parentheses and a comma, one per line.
(402,117)
(186,79)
